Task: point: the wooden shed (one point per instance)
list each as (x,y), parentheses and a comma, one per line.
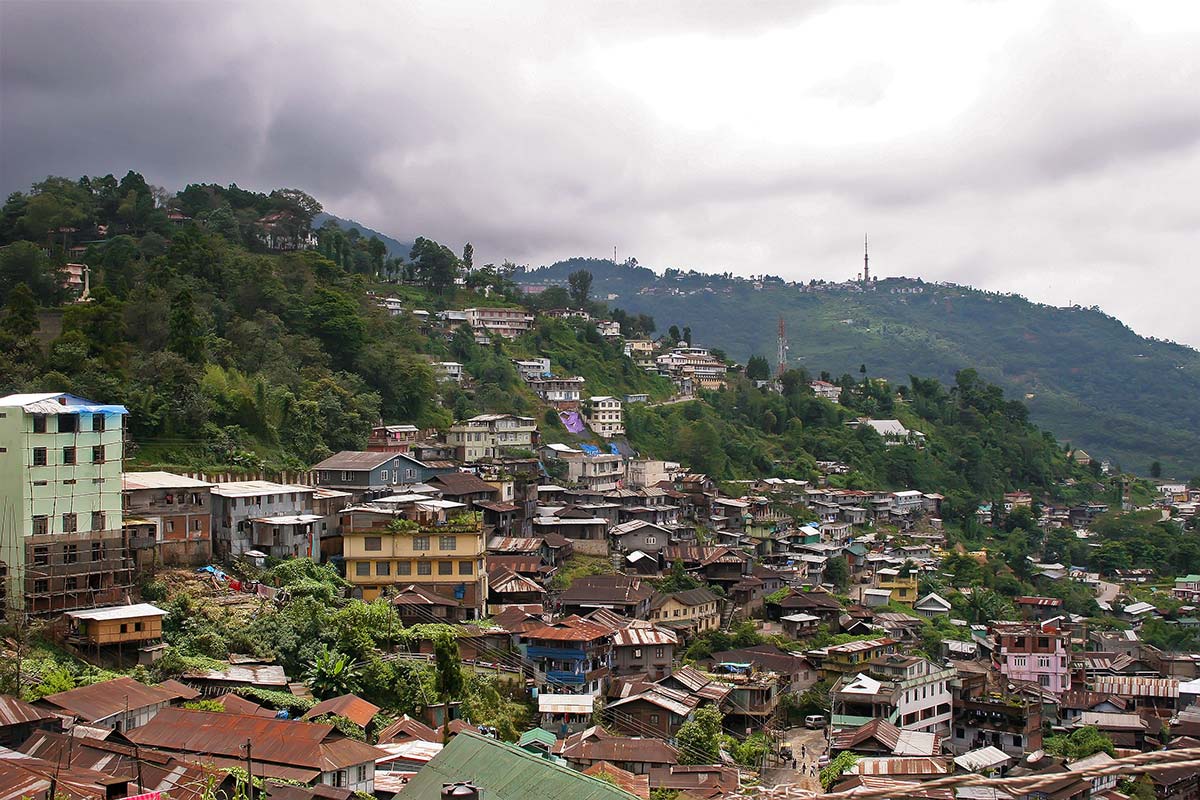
(114,625)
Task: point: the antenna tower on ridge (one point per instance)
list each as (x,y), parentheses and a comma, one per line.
(783,347)
(866,262)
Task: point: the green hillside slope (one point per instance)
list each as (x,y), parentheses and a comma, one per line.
(1083,374)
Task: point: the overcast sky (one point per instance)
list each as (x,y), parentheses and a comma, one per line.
(1050,149)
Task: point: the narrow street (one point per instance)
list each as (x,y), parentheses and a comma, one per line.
(807,746)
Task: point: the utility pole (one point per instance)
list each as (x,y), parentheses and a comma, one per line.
(249,773)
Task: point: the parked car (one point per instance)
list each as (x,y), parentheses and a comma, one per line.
(814,721)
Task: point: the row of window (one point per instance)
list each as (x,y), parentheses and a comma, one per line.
(67,423)
(70,554)
(69,456)
(70,584)
(70,523)
(362,569)
(374,544)
(257,500)
(1043,662)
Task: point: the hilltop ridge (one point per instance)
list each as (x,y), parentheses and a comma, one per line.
(1085,375)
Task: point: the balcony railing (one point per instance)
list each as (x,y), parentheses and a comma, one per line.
(561,676)
(562,653)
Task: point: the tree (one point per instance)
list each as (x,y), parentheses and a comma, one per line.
(580,283)
(24,262)
(435,264)
(468,256)
(1079,743)
(699,739)
(757,368)
(20,312)
(1155,470)
(837,572)
(184,336)
(834,770)
(687,336)
(673,332)
(448,666)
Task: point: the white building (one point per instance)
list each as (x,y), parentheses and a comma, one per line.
(451,371)
(488,435)
(507,322)
(826,390)
(605,416)
(910,692)
(533,368)
(274,518)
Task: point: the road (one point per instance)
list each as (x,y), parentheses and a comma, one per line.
(807,746)
(1108,592)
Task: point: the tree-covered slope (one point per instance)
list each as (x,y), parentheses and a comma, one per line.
(1083,374)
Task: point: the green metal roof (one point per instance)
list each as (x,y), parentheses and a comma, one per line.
(505,772)
(539,735)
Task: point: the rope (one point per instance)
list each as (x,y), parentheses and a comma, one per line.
(1140,764)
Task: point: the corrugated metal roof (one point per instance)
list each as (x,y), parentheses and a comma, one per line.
(117,612)
(254,674)
(132,481)
(14,711)
(566,703)
(915,765)
(504,772)
(1134,686)
(984,758)
(350,706)
(102,700)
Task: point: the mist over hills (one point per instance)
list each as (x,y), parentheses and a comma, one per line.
(1084,375)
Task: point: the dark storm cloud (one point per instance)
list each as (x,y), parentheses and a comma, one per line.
(1047,149)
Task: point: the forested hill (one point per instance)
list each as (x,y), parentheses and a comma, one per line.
(395,248)
(1083,375)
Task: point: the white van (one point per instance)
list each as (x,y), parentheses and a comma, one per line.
(814,721)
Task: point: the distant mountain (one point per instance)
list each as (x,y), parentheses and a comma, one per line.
(1084,375)
(394,246)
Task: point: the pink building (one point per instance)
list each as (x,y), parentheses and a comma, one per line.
(1030,652)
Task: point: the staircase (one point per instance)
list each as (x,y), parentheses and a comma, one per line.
(727,612)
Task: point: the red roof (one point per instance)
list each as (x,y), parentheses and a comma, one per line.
(350,706)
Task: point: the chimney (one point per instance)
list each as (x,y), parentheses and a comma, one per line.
(459,791)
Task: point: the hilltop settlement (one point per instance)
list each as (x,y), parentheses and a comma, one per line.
(579,559)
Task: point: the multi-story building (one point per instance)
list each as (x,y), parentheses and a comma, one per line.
(571,656)
(901,584)
(1009,722)
(605,416)
(826,390)
(599,473)
(367,474)
(487,436)
(61,539)
(561,393)
(533,368)
(1035,654)
(909,692)
(507,322)
(436,546)
(851,657)
(273,518)
(180,510)
(449,371)
(694,363)
(393,437)
(695,610)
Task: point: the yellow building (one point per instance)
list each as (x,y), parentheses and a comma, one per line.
(694,609)
(434,545)
(903,586)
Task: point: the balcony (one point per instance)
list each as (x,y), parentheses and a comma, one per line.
(560,676)
(561,653)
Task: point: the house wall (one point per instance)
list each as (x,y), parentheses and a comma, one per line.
(377,559)
(653,659)
(232,530)
(119,631)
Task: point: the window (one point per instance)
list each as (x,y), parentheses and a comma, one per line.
(98,454)
(71,584)
(650,540)
(1044,662)
(361,772)
(68,455)
(1043,642)
(41,555)
(124,627)
(654,719)
(362,569)
(373,543)
(464,568)
(137,626)
(447,543)
(1043,680)
(39,423)
(196,525)
(1019,661)
(41,525)
(41,586)
(384,475)
(445,568)
(97,422)
(97,520)
(637,652)
(424,568)
(68,423)
(658,652)
(344,476)
(69,523)
(170,526)
(383,568)
(420,543)
(404,568)
(97,551)
(39,456)
(71,554)
(339,778)
(196,498)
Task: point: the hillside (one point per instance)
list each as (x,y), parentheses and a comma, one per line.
(1084,375)
(395,248)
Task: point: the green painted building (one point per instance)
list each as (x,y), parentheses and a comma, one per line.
(61,539)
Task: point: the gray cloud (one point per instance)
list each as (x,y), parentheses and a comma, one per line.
(1051,150)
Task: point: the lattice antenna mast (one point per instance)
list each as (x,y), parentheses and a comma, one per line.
(783,347)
